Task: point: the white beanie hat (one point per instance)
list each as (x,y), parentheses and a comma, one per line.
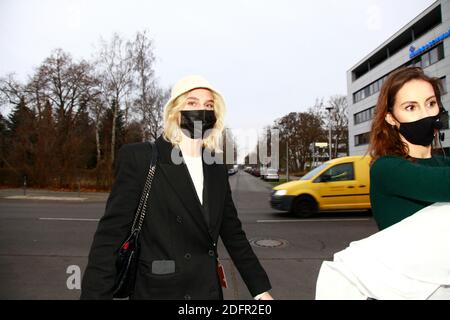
(187,84)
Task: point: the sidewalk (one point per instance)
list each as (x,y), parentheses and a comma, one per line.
(291,177)
(42,194)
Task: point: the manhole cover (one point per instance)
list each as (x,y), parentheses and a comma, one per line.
(269,243)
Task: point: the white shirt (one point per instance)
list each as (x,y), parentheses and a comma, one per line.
(195,168)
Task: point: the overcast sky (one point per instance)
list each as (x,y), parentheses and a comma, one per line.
(268,58)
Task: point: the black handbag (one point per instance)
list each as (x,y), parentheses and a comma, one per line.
(127,259)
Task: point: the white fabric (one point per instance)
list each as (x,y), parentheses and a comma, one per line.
(442,293)
(259,295)
(335,282)
(409,260)
(195,167)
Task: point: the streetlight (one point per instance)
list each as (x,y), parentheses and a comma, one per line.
(329,136)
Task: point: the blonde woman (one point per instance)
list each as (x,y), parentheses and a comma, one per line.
(191,206)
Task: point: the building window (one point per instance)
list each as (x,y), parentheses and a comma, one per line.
(376,86)
(433,56)
(362,139)
(440,51)
(445,116)
(364,116)
(369,90)
(445,120)
(424,60)
(428,58)
(444,85)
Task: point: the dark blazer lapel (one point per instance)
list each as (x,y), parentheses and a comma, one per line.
(179,179)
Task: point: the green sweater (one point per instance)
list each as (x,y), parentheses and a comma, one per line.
(400,187)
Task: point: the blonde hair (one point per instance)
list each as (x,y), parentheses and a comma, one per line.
(172,130)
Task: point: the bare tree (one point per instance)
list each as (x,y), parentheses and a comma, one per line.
(144,59)
(318,110)
(115,64)
(299,130)
(11,91)
(35,92)
(151,97)
(339,122)
(97,110)
(159,98)
(72,113)
(65,82)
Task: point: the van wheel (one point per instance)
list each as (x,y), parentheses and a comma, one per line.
(304,207)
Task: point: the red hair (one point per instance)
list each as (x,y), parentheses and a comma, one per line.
(384,138)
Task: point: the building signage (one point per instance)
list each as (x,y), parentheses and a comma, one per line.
(413,52)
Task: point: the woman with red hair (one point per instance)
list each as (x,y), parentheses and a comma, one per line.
(410,195)
(404,176)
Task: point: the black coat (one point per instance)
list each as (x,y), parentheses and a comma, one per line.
(175,230)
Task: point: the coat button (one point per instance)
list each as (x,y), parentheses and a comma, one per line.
(187,297)
(211,253)
(187,256)
(179,219)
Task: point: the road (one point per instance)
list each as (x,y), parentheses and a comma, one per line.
(43,243)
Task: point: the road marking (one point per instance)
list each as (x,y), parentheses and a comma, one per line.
(69,219)
(311,220)
(47,198)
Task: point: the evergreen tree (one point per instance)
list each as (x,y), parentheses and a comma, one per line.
(4,144)
(84,130)
(46,163)
(22,137)
(20,115)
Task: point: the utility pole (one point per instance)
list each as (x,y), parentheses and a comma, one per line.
(287,160)
(329,135)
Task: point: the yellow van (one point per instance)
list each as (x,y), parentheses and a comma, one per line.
(338,184)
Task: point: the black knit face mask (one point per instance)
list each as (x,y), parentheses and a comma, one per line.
(420,132)
(194,123)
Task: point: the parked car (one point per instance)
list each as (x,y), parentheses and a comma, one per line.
(272,175)
(262,172)
(338,184)
(256,172)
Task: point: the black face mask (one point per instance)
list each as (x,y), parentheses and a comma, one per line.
(195,122)
(420,132)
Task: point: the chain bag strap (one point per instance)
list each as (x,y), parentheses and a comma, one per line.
(126,262)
